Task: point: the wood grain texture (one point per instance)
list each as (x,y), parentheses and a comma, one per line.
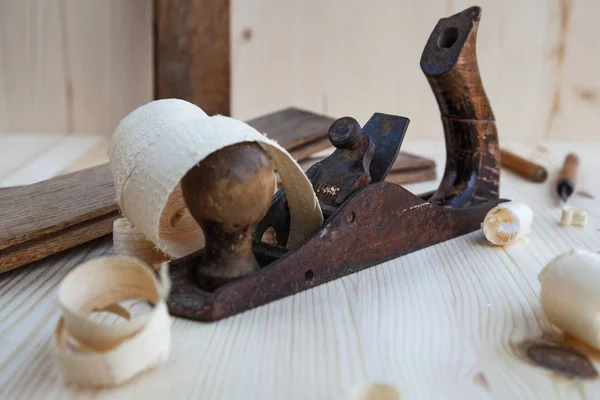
(71,65)
(445,322)
(63,238)
(537,59)
(44,218)
(305,150)
(297,127)
(300,132)
(411,176)
(45,200)
(193,52)
(80,66)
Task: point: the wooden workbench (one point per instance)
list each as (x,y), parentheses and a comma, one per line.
(444,322)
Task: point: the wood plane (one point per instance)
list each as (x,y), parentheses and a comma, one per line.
(247,262)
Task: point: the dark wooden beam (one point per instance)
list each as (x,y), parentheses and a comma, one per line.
(192,52)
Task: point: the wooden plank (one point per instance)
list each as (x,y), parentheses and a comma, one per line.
(411,176)
(576,85)
(409,162)
(193,52)
(52,243)
(296,127)
(300,132)
(305,150)
(441,323)
(43,218)
(73,66)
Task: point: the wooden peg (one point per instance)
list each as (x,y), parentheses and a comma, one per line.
(522,166)
(228,193)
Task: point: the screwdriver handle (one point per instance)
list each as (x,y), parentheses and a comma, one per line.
(569,169)
(568,176)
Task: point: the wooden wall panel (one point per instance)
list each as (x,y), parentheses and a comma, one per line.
(352,57)
(576,91)
(73,65)
(81,65)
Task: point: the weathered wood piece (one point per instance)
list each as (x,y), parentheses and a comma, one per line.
(301,132)
(45,218)
(192,53)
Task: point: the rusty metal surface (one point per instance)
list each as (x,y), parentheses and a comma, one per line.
(377,221)
(387,133)
(346,170)
(187,299)
(370,228)
(562,360)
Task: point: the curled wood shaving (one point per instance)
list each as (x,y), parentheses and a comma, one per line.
(507,222)
(157,144)
(92,354)
(570,295)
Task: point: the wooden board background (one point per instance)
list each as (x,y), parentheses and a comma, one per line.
(73,65)
(81,65)
(538,60)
